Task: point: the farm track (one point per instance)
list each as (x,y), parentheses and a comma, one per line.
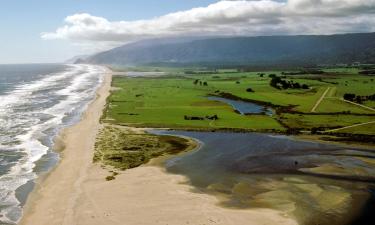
(360,105)
(320,100)
(332,92)
(351,126)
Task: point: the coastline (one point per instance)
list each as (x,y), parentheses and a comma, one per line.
(55,193)
(76,192)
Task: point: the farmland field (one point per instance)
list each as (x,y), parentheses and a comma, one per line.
(163,102)
(167,101)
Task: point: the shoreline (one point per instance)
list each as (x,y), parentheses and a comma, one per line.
(75,190)
(42,205)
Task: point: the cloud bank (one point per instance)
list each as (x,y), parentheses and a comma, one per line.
(238,17)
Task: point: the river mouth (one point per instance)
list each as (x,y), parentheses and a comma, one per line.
(314,183)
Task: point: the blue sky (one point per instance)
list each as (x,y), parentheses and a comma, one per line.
(22,21)
(55,30)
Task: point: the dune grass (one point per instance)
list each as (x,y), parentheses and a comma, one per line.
(123,148)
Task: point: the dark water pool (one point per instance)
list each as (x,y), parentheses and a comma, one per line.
(243,107)
(312,182)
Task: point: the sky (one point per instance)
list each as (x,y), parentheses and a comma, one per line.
(23,21)
(38,31)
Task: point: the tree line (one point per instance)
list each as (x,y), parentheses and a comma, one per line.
(214,117)
(279,83)
(358,98)
(204,83)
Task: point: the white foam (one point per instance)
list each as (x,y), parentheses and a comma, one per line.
(81,89)
(24,90)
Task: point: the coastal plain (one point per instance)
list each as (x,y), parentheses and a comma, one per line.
(119,174)
(76,191)
(164,101)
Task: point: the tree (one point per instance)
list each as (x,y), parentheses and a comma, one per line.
(349,97)
(315,130)
(296,85)
(358,99)
(275,81)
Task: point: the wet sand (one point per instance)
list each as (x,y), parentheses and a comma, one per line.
(148,195)
(76,191)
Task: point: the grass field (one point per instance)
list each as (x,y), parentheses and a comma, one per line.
(325,121)
(365,129)
(164,101)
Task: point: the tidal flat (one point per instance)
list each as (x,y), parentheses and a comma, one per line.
(312,182)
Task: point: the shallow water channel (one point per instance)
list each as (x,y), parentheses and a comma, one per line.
(243,107)
(312,182)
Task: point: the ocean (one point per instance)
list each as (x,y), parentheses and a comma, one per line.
(36,102)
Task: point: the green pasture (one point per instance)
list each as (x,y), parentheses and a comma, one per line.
(342,70)
(325,121)
(237,83)
(364,129)
(164,101)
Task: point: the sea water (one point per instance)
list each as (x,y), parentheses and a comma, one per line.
(36,102)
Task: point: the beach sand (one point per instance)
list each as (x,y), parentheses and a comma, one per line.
(76,192)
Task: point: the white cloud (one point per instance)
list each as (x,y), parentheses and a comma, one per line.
(241,17)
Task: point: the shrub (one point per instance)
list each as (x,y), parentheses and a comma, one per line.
(109,178)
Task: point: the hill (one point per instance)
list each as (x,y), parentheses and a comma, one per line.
(262,50)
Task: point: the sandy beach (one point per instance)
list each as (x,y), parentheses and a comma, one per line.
(56,194)
(76,192)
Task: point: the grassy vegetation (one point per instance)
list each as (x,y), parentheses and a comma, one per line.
(301,121)
(164,101)
(336,105)
(368,129)
(123,148)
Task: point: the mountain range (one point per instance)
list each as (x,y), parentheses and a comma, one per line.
(260,50)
